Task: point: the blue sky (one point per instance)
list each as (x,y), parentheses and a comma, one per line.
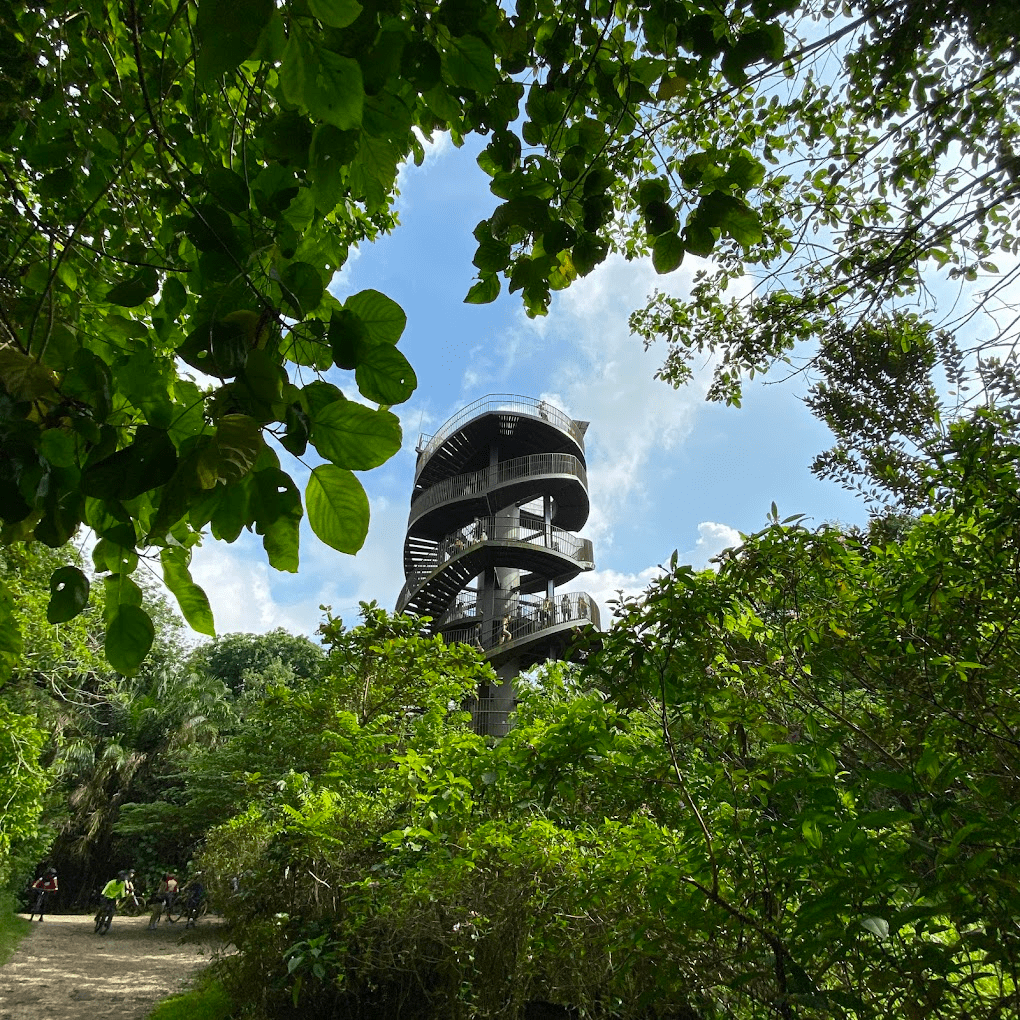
(667,470)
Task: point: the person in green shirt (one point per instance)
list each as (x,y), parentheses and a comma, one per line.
(116,889)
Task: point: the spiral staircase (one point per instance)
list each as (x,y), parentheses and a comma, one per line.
(499,491)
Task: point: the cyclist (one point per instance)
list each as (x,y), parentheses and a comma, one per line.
(116,889)
(46,884)
(193,893)
(166,891)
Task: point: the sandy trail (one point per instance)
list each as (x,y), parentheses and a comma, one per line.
(64,971)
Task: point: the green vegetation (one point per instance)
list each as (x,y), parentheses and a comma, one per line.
(208,1000)
(784,789)
(12,928)
(227,174)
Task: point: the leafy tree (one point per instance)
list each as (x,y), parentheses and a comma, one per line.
(180,183)
(249,662)
(783,789)
(882,153)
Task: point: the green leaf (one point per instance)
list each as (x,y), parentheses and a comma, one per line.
(347,338)
(119,590)
(264,377)
(276,505)
(335,13)
(128,639)
(492,255)
(147,463)
(23,377)
(878,926)
(667,252)
(190,597)
(356,437)
(384,320)
(135,290)
(471,64)
(299,426)
(228,188)
(302,287)
(317,394)
(58,447)
(237,446)
(231,512)
(385,375)
(228,32)
(69,594)
(338,509)
(660,218)
(327,85)
(742,224)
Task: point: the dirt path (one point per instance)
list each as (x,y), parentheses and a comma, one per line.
(64,971)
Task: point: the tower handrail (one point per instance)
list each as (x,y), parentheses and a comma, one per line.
(513,403)
(528,619)
(481,481)
(500,530)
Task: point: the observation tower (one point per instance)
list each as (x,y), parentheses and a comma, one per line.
(499,491)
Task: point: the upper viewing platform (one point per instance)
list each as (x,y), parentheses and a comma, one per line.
(521,425)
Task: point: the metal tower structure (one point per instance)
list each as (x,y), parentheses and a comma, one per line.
(499,491)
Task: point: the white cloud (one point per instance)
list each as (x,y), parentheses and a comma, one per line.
(606,586)
(608,378)
(246,594)
(435,148)
(712,539)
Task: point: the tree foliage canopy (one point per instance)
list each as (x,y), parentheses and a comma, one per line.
(180,183)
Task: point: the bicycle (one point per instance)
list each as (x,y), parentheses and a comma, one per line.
(37,903)
(190,910)
(104,917)
(132,906)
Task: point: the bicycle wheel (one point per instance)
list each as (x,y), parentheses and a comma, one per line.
(100,919)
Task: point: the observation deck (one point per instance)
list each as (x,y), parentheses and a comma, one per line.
(499,491)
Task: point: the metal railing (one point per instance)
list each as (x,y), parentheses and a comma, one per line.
(505,532)
(480,482)
(512,403)
(526,619)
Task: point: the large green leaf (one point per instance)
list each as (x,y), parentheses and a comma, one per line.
(356,437)
(190,597)
(135,290)
(335,13)
(119,590)
(667,252)
(238,443)
(484,291)
(384,320)
(147,463)
(471,64)
(302,287)
(128,639)
(327,85)
(275,503)
(385,375)
(337,508)
(228,32)
(69,594)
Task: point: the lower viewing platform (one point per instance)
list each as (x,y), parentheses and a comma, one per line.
(527,621)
